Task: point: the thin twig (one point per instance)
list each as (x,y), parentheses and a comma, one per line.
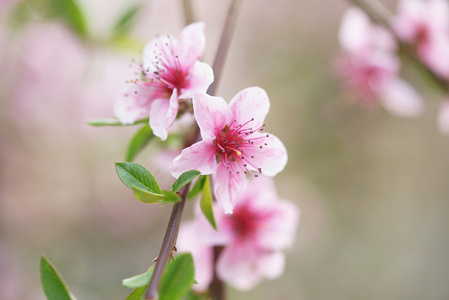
(188,11)
(223,46)
(168,244)
(216,287)
(381,15)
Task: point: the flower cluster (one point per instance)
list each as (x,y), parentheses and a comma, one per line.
(370,64)
(254,238)
(254,227)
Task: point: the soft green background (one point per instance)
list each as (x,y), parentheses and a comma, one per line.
(372,188)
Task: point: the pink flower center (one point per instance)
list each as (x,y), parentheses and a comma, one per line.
(246,221)
(167,72)
(232,141)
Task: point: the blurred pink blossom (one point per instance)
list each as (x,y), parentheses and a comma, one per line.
(370,67)
(232,145)
(254,238)
(425,24)
(172,72)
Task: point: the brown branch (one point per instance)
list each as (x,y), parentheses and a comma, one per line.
(168,244)
(216,287)
(223,46)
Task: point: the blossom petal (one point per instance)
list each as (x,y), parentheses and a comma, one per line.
(199,156)
(133,104)
(272,265)
(227,187)
(192,43)
(163,113)
(280,228)
(354,30)
(188,241)
(272,158)
(238,266)
(248,104)
(154,49)
(200,77)
(211,113)
(400,98)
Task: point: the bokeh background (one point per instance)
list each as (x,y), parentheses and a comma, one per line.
(372,188)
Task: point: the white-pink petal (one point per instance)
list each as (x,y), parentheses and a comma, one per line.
(227,187)
(192,43)
(162,114)
(250,103)
(211,114)
(354,31)
(400,98)
(133,104)
(199,79)
(199,156)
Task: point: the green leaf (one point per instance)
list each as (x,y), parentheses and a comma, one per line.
(113,122)
(185,178)
(140,280)
(126,20)
(134,175)
(177,279)
(206,203)
(52,283)
(197,188)
(71,11)
(137,294)
(148,197)
(138,142)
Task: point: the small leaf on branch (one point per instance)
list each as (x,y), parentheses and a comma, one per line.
(138,142)
(206,203)
(185,178)
(126,20)
(138,281)
(113,122)
(178,278)
(148,197)
(137,294)
(52,283)
(197,188)
(134,175)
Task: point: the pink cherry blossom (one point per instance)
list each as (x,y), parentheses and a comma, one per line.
(254,237)
(425,24)
(171,72)
(233,144)
(370,67)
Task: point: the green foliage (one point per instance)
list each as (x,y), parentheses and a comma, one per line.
(134,175)
(113,122)
(137,294)
(184,179)
(52,283)
(140,280)
(206,203)
(177,278)
(126,20)
(71,12)
(197,188)
(148,197)
(138,142)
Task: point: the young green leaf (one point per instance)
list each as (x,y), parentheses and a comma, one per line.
(138,281)
(206,203)
(137,294)
(52,283)
(113,122)
(134,175)
(138,142)
(71,11)
(185,178)
(197,188)
(126,20)
(178,278)
(148,197)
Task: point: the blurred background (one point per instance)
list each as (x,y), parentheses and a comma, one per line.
(372,187)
